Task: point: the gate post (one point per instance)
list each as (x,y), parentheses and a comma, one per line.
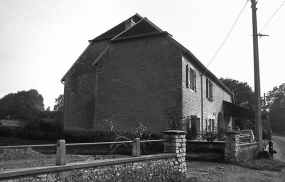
(231,146)
(176,143)
(60,153)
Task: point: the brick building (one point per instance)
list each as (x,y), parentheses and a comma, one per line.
(135,72)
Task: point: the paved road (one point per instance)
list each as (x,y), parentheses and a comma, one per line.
(225,172)
(279,146)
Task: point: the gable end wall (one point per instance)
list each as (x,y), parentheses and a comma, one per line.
(79,90)
(137,80)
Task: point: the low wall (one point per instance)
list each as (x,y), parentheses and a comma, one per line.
(247,152)
(169,166)
(205,151)
(239,152)
(146,168)
(203,146)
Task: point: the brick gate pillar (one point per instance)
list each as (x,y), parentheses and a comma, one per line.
(176,143)
(231,146)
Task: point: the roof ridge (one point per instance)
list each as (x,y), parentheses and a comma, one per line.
(136,24)
(99,36)
(126,30)
(138,36)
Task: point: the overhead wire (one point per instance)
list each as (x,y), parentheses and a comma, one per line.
(271,17)
(228,34)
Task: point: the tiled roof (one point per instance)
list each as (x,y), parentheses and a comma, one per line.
(142,27)
(117,29)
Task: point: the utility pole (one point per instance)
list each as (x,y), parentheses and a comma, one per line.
(258,119)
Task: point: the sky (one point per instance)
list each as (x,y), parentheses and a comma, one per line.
(41,39)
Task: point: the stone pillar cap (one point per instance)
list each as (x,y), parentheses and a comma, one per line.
(174,132)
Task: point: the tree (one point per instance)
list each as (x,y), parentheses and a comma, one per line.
(275,102)
(24,105)
(59,103)
(243,94)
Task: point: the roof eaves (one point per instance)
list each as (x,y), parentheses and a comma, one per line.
(100,56)
(156,27)
(102,38)
(139,36)
(187,52)
(63,78)
(96,38)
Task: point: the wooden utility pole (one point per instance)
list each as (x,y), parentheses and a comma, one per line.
(258,119)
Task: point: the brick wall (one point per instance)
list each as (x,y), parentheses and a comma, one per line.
(192,99)
(79,90)
(137,80)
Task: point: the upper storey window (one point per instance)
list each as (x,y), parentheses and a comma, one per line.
(209,90)
(190,78)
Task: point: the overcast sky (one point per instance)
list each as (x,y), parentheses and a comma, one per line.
(41,39)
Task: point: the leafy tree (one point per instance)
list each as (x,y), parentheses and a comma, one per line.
(275,101)
(24,105)
(244,96)
(59,103)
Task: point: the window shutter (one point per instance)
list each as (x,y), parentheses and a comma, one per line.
(210,90)
(194,81)
(207,92)
(190,78)
(187,77)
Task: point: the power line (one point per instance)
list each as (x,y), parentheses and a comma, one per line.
(228,34)
(272,16)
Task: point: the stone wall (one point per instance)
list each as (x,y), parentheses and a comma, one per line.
(202,146)
(167,169)
(237,152)
(169,166)
(247,152)
(176,143)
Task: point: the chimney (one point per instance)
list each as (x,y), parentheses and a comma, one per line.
(129,23)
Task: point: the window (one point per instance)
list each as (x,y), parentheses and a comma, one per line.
(210,123)
(209,90)
(195,124)
(190,78)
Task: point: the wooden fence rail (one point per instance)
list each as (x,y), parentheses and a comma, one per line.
(61,147)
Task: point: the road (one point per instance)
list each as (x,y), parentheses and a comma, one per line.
(224,172)
(279,146)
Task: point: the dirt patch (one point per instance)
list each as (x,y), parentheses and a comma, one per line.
(22,158)
(268,170)
(18,154)
(224,172)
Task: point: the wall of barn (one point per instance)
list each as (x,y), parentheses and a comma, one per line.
(79,89)
(138,81)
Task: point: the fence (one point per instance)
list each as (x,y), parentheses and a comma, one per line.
(61,147)
(169,166)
